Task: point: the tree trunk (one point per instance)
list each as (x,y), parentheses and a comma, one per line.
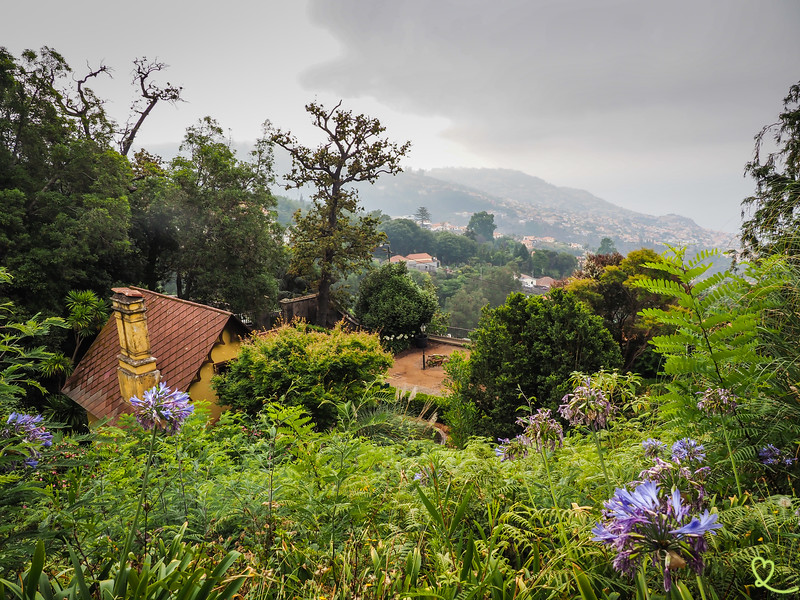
(323,300)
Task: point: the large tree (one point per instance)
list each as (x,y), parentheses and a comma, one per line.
(64,190)
(774,210)
(406,237)
(229,239)
(531,345)
(608,285)
(335,237)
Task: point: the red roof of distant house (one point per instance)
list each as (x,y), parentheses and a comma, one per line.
(182,334)
(545,281)
(421,257)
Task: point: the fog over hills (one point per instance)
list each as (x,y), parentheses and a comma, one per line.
(522,205)
(527,205)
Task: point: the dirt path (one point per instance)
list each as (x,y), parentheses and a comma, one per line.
(407,372)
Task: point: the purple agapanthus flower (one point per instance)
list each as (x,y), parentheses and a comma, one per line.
(717,401)
(162,408)
(587,406)
(682,471)
(512,449)
(28,426)
(772,456)
(653,448)
(688,450)
(542,430)
(646,522)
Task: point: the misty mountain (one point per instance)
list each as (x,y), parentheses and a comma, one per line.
(522,205)
(527,205)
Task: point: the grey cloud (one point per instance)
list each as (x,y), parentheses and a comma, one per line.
(522,74)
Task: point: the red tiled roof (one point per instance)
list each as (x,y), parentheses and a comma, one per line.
(182,334)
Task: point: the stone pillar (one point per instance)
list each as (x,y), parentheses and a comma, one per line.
(137,367)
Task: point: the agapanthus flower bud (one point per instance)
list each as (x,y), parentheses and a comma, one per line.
(717,401)
(162,408)
(586,406)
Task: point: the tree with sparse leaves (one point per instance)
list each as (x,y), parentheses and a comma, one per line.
(335,237)
(774,209)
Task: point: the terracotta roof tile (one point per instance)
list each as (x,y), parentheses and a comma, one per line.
(182,334)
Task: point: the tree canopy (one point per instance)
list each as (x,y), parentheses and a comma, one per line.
(481,227)
(390,302)
(531,345)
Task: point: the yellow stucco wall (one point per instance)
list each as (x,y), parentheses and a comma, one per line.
(226,348)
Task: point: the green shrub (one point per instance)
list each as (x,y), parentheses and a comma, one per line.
(302,366)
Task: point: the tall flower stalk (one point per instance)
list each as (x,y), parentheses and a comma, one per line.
(720,401)
(159,409)
(542,433)
(588,406)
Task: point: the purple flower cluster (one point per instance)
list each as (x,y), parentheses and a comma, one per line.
(587,406)
(717,401)
(653,448)
(29,429)
(28,426)
(162,408)
(770,455)
(688,450)
(680,471)
(645,522)
(541,432)
(512,449)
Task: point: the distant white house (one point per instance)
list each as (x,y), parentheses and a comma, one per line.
(421,262)
(529,283)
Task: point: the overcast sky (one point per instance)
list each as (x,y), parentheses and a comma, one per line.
(650,105)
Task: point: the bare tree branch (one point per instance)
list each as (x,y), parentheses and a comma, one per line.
(150,95)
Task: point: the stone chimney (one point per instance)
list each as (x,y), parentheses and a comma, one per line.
(137,367)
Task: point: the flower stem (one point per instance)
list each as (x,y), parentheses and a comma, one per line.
(564,540)
(129,541)
(733,460)
(600,456)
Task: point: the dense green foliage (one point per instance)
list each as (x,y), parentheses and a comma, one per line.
(481,227)
(76,214)
(529,346)
(222,242)
(24,361)
(608,285)
(391,303)
(296,363)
